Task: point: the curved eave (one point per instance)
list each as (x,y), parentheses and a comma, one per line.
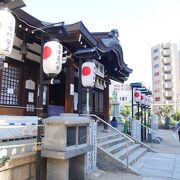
(27,18)
(79,37)
(119,70)
(118,76)
(121,80)
(80,33)
(116,48)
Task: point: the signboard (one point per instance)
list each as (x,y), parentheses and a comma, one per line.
(99,68)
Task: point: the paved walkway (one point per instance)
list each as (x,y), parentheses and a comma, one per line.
(161,165)
(164,165)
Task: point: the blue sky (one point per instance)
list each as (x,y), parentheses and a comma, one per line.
(141,24)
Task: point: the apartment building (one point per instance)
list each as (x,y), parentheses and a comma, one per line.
(165,76)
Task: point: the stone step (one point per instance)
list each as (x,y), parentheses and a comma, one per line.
(118,147)
(135,156)
(103,139)
(140,163)
(122,154)
(112,150)
(111,142)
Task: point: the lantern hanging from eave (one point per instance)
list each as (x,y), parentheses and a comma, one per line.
(88,74)
(137,95)
(52,57)
(145,100)
(7,29)
(142,99)
(149,100)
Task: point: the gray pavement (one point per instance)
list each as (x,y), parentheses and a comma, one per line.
(163,165)
(166,163)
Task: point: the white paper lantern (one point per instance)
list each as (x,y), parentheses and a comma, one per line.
(52,57)
(88,74)
(137,95)
(149,100)
(7,28)
(142,99)
(145,100)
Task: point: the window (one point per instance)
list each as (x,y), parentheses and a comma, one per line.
(96,102)
(157,98)
(10,86)
(157,90)
(156,81)
(82,135)
(156,66)
(155,50)
(156,58)
(156,74)
(76,135)
(71,136)
(169,98)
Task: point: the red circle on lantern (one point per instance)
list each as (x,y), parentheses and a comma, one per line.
(86,71)
(136,94)
(142,97)
(47,51)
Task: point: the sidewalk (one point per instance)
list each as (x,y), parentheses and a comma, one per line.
(102,175)
(169,144)
(166,163)
(163,165)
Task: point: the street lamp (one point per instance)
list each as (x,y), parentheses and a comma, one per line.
(139,89)
(144,106)
(133,86)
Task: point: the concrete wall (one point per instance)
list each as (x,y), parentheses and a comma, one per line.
(22,167)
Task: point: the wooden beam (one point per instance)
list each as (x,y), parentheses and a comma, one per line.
(73,38)
(106,106)
(69,99)
(11,111)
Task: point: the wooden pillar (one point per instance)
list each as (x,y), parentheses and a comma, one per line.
(69,83)
(106,107)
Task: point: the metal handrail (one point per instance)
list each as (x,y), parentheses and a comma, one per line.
(127,145)
(147,128)
(144,125)
(109,126)
(127,136)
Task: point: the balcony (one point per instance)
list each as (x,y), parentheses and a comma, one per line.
(168,94)
(168,102)
(168,85)
(166,52)
(167,68)
(166,45)
(166,60)
(167,77)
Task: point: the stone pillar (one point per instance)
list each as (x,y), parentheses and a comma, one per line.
(64,147)
(57,169)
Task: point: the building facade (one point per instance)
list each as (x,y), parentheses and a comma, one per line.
(165,76)
(123,92)
(21,78)
(28,90)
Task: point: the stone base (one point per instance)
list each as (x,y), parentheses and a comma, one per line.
(73,168)
(57,169)
(107,130)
